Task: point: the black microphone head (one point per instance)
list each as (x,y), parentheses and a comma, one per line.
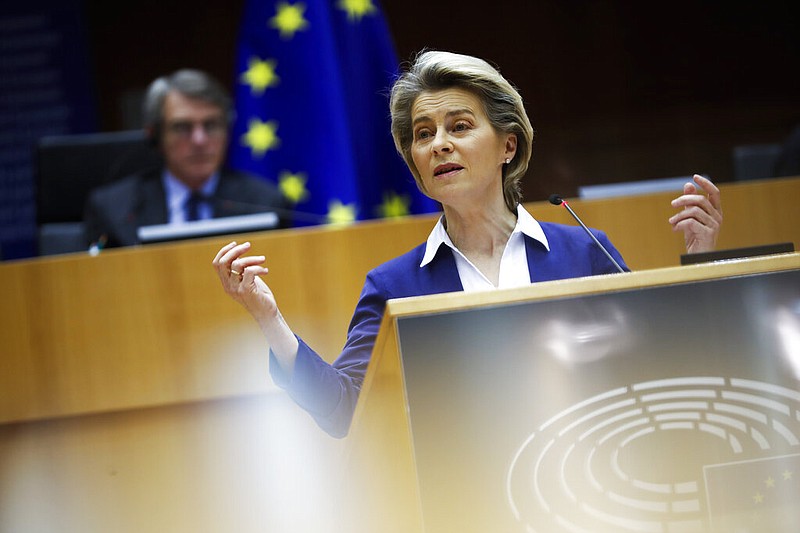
(556,199)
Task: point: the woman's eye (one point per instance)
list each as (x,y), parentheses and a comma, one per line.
(461,126)
(423,134)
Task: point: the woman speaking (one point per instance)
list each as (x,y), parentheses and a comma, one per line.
(463,131)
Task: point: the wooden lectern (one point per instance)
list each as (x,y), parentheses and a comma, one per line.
(662,400)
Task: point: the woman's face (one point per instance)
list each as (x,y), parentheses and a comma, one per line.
(457,152)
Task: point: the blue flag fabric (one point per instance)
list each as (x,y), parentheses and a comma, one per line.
(312,109)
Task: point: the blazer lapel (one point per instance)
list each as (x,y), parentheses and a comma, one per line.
(541,265)
(231,198)
(152,203)
(441,274)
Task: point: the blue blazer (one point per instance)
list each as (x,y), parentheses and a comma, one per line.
(330,392)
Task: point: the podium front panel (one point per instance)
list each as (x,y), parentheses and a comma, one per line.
(672,408)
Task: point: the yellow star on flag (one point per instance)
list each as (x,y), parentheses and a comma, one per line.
(260,75)
(289,19)
(261,136)
(394,205)
(356,9)
(293,186)
(339,213)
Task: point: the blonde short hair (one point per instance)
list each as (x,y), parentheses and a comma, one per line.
(434,71)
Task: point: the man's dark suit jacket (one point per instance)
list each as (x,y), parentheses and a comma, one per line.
(117,210)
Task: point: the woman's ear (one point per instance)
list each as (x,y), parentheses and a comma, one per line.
(511,146)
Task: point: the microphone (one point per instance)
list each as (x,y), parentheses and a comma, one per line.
(557,200)
(280,211)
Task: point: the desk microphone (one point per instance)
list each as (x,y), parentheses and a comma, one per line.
(557,200)
(288,213)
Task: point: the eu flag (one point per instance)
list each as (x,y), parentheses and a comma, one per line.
(312,109)
(755,495)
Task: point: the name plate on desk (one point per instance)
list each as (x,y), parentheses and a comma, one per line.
(667,408)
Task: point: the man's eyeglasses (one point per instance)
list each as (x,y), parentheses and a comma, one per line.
(184,129)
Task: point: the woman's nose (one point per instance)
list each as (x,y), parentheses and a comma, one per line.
(441,143)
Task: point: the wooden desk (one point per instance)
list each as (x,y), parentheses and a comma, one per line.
(130,360)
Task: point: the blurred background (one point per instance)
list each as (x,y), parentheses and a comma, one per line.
(616,90)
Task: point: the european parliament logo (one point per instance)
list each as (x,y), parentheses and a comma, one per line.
(646,458)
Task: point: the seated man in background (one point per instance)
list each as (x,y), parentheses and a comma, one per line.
(187,115)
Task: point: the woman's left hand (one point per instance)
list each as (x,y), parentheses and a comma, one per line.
(700,217)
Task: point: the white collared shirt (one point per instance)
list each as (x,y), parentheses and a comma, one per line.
(513,264)
(178,193)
